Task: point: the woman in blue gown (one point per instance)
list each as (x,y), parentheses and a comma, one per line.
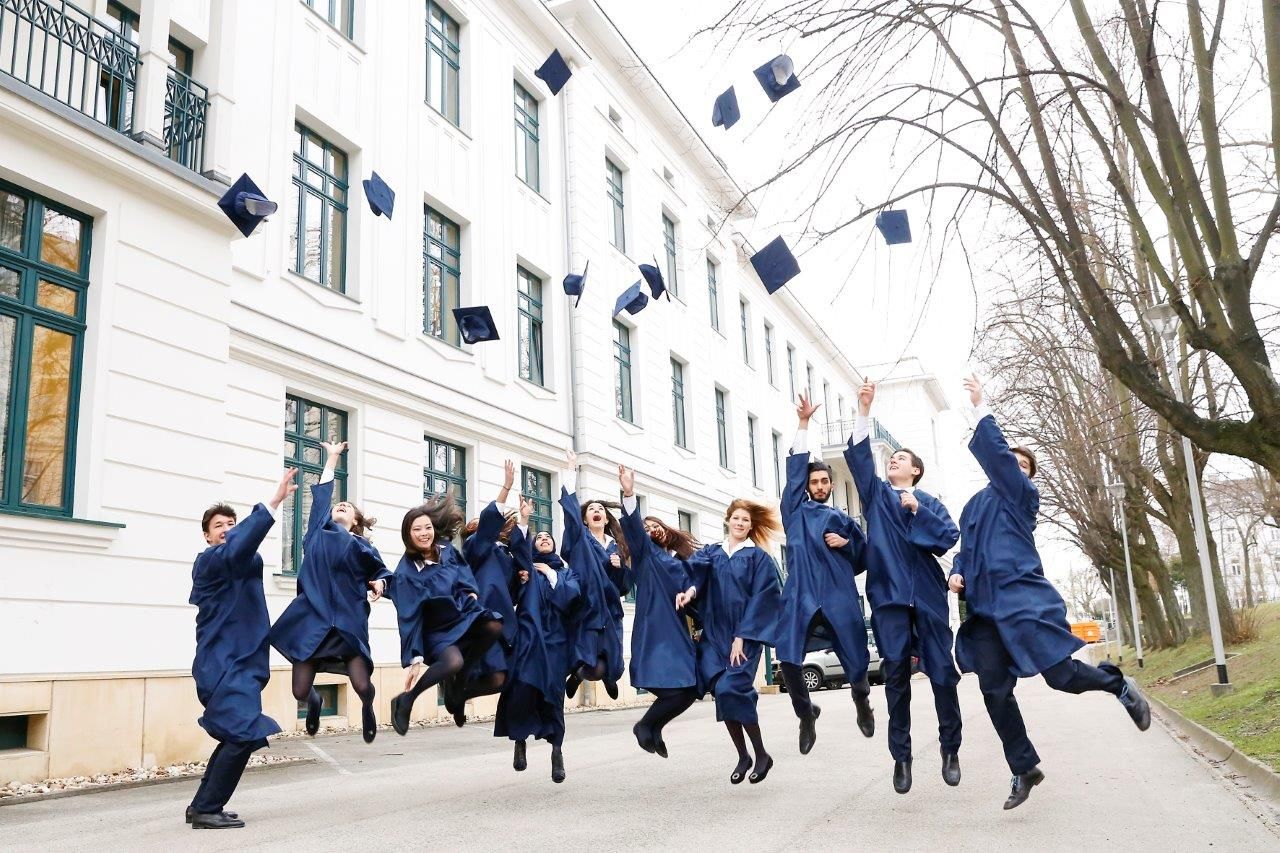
(532,701)
(326,626)
(663,660)
(443,625)
(738,597)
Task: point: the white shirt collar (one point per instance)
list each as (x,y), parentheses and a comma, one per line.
(730,550)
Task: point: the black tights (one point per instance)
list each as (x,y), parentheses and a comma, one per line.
(454,660)
(752,731)
(671,703)
(593,673)
(358,671)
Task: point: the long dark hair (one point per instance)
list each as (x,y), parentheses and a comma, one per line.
(674,539)
(611,525)
(446,517)
(504,535)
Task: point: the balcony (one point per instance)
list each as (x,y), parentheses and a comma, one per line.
(837,433)
(186,109)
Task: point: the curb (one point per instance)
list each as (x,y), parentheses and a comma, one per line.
(1263,782)
(140,783)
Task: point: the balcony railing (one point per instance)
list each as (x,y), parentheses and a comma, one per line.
(186,109)
(61,50)
(837,432)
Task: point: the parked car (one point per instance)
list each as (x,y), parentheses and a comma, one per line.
(823,669)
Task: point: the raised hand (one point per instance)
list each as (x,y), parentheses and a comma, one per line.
(627,480)
(285,487)
(509,474)
(866,396)
(334,449)
(570,461)
(974,387)
(805,409)
(526,510)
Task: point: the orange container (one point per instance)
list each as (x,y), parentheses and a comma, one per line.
(1090,631)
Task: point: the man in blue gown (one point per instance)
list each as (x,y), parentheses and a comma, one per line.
(907,530)
(1016,625)
(232,662)
(820,604)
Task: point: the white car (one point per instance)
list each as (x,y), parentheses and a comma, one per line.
(823,669)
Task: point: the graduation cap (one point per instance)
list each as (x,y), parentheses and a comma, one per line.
(725,113)
(476,324)
(632,301)
(653,278)
(778,77)
(245,205)
(895,227)
(554,72)
(575,284)
(381,197)
(775,265)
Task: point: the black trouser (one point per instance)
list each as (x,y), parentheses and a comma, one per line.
(996,681)
(226,766)
(671,703)
(897,693)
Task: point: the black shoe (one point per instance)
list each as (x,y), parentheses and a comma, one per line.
(571,684)
(557,765)
(313,712)
(659,746)
(902,776)
(369,722)
(740,772)
(519,762)
(1021,787)
(758,775)
(401,707)
(1136,704)
(808,729)
(866,716)
(191,813)
(644,737)
(221,820)
(460,716)
(454,700)
(951,768)
(611,687)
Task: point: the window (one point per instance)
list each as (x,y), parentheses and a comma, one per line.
(529,316)
(339,13)
(791,370)
(613,187)
(441,276)
(328,701)
(622,386)
(722,428)
(318,240)
(684,520)
(768,351)
(44,262)
(826,401)
(840,406)
(306,425)
(751,450)
(669,245)
(713,294)
(527,137)
(126,20)
(444,59)
(181,57)
(808,381)
(445,470)
(535,485)
(777,463)
(746,331)
(677,403)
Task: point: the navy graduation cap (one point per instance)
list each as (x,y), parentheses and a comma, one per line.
(653,278)
(775,265)
(725,113)
(575,284)
(632,301)
(894,225)
(245,205)
(778,77)
(554,72)
(476,324)
(381,197)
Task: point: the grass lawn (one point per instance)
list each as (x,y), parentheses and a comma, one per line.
(1249,717)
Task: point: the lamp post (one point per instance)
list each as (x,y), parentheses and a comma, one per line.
(1115,618)
(1117,492)
(1164,322)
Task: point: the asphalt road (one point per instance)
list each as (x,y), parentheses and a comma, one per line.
(449,789)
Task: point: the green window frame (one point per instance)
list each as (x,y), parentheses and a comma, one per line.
(677,404)
(444,63)
(624,403)
(527,152)
(341,14)
(684,520)
(306,425)
(535,486)
(13,731)
(318,238)
(529,320)
(617,204)
(44,283)
(768,351)
(722,428)
(441,275)
(744,312)
(791,370)
(669,246)
(328,701)
(777,463)
(751,450)
(444,469)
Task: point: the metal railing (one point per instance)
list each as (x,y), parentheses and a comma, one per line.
(186,110)
(837,432)
(64,52)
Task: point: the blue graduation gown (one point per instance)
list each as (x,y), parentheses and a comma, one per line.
(597,629)
(902,564)
(491,563)
(662,653)
(819,578)
(737,596)
(532,699)
(232,662)
(332,586)
(434,607)
(1004,581)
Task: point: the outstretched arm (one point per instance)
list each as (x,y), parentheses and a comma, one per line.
(322,492)
(998,462)
(245,538)
(574,531)
(858,452)
(508,480)
(638,541)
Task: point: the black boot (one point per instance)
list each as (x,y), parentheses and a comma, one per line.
(902,776)
(369,722)
(519,762)
(659,745)
(571,684)
(313,712)
(611,687)
(951,768)
(866,716)
(1021,787)
(401,707)
(191,813)
(221,820)
(557,765)
(644,737)
(1136,704)
(808,729)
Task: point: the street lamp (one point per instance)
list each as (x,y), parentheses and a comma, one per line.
(1117,492)
(1164,322)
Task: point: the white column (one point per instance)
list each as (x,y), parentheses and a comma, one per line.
(219,76)
(153,73)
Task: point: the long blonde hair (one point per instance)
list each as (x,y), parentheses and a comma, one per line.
(765,523)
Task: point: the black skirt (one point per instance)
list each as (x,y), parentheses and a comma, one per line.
(333,653)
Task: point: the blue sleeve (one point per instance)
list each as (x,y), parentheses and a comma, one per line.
(245,537)
(998,462)
(573,528)
(700,568)
(466,580)
(760,615)
(321,507)
(567,591)
(853,552)
(796,488)
(480,544)
(931,527)
(370,560)
(638,543)
(863,467)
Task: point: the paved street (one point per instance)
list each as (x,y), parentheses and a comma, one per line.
(450,789)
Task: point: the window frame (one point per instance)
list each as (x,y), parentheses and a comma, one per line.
(431,474)
(616,193)
(291,553)
(751,450)
(791,370)
(768,351)
(722,427)
(449,332)
(684,520)
(541,518)
(679,414)
(529,314)
(624,404)
(348,28)
(527,126)
(777,462)
(671,253)
(744,309)
(326,196)
(447,63)
(713,293)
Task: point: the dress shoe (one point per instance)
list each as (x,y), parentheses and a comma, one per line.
(759,774)
(902,776)
(369,723)
(740,771)
(401,707)
(659,745)
(611,687)
(221,820)
(1021,787)
(313,712)
(557,765)
(519,762)
(866,716)
(809,729)
(191,813)
(951,768)
(644,737)
(1136,704)
(571,684)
